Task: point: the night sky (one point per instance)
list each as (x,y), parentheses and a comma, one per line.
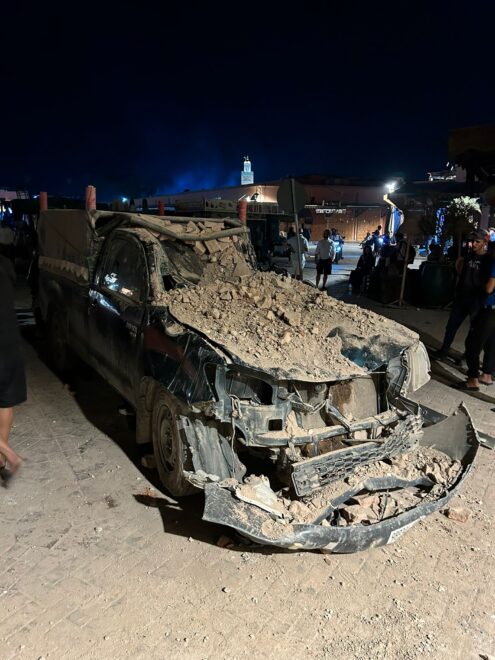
(143,97)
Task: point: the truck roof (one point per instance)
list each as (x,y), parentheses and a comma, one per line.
(69,240)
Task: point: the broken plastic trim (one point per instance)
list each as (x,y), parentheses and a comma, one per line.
(455,436)
(313,473)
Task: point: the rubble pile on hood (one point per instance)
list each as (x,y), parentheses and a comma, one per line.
(281,325)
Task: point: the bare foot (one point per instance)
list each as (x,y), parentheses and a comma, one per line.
(8,473)
(15,463)
(9,469)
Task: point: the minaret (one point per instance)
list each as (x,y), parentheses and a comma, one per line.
(247,177)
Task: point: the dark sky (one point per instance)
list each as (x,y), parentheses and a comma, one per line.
(138,97)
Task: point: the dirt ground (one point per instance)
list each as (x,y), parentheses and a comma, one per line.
(99,563)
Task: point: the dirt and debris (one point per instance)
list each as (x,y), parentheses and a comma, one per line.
(279,324)
(274,529)
(458,513)
(225,541)
(421,462)
(256,490)
(366,507)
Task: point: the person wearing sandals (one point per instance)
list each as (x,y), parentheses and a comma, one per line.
(12,375)
(481,336)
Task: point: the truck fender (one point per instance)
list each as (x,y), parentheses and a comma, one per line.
(144,409)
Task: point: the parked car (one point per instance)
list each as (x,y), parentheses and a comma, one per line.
(223,363)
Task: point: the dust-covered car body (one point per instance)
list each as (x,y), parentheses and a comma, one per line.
(224,364)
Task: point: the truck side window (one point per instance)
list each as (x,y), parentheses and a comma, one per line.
(124,270)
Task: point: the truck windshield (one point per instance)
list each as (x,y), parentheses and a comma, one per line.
(181,262)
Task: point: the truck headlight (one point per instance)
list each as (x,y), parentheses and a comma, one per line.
(409,371)
(418,364)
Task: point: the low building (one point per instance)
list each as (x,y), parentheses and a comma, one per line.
(353,206)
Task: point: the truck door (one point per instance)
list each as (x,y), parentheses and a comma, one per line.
(117,311)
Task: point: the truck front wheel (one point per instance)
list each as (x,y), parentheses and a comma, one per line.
(172,456)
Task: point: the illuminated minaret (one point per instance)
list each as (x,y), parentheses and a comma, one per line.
(247,177)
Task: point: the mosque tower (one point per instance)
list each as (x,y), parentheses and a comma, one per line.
(247,176)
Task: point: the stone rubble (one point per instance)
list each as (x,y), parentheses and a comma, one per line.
(368,508)
(278,324)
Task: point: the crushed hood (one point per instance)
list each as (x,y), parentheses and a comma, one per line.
(289,329)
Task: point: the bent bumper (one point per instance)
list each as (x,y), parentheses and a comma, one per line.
(455,436)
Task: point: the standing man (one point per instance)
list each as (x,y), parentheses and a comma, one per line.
(481,335)
(304,249)
(306,232)
(339,244)
(324,255)
(12,377)
(469,292)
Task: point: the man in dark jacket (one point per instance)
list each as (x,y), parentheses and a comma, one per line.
(12,376)
(468,295)
(481,337)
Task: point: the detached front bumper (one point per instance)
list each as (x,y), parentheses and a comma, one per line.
(455,436)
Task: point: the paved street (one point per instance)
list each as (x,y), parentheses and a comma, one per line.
(99,563)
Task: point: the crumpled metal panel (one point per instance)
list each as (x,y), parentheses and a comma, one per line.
(211,452)
(456,436)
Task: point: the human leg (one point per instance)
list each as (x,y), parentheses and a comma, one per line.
(12,393)
(488,365)
(479,333)
(459,312)
(319,271)
(327,270)
(12,458)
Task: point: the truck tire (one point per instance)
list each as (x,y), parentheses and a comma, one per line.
(60,352)
(172,456)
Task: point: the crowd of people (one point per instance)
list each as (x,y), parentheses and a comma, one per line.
(383,258)
(474,297)
(325,254)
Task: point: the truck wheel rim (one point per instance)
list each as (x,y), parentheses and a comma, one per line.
(167,453)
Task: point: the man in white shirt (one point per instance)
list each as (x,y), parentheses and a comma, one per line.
(324,255)
(304,248)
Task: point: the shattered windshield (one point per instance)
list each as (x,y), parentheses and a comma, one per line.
(226,259)
(181,262)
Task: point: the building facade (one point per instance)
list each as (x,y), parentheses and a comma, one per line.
(353,207)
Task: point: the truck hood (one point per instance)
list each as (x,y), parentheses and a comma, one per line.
(289,329)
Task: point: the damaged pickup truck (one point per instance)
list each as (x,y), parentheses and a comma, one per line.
(289,408)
